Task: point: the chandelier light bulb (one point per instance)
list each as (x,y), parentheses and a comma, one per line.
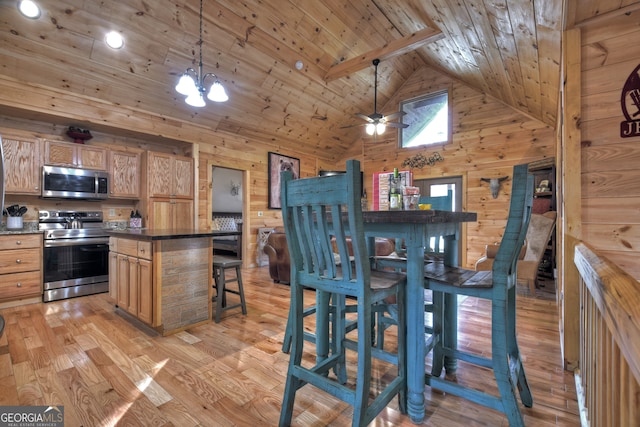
(186,85)
(217,92)
(380,128)
(195,100)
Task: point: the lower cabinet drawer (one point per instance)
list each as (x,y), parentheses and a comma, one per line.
(18,285)
(19,260)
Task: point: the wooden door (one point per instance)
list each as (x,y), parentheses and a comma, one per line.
(60,153)
(183,177)
(22,165)
(132,307)
(159,170)
(145,291)
(91,157)
(125,175)
(183,214)
(113,276)
(122,273)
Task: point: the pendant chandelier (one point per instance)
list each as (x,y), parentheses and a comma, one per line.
(192,82)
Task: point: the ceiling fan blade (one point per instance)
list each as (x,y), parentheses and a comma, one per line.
(397,125)
(395,115)
(352,126)
(364,117)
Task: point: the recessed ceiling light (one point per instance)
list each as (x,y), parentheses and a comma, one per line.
(29,9)
(114,40)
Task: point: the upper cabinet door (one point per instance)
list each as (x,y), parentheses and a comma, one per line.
(22,158)
(75,155)
(183,174)
(125,175)
(169,175)
(159,174)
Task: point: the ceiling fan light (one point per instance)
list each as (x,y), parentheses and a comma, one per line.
(370,129)
(380,128)
(217,93)
(186,85)
(195,100)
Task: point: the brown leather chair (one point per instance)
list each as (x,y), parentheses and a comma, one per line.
(278,253)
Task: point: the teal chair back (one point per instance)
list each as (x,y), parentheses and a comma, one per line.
(309,208)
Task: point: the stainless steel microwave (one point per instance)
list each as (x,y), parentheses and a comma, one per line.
(71,183)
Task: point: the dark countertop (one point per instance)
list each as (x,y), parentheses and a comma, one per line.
(146,234)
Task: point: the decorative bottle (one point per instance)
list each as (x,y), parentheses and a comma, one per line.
(363,200)
(395,192)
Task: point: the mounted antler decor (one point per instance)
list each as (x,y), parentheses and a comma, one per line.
(419,160)
(494,184)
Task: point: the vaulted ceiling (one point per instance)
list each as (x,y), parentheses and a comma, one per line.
(509,49)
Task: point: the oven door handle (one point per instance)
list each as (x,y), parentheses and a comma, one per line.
(76,242)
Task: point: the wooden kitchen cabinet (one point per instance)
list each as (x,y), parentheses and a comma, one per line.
(20,268)
(132,285)
(164,279)
(170,214)
(23,160)
(124,170)
(70,154)
(169,175)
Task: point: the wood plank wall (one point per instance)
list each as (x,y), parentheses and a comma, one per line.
(610,173)
(489,138)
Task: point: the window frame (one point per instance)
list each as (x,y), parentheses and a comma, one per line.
(406,104)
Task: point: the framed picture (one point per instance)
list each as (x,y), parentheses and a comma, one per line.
(279,163)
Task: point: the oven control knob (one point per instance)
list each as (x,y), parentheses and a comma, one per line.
(19,285)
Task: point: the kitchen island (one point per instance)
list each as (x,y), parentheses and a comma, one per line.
(162,278)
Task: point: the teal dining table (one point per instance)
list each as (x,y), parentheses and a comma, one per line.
(416,227)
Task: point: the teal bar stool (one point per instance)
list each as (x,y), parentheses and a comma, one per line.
(220,265)
(314,211)
(499,287)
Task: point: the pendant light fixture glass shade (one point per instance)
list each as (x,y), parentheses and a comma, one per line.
(195,100)
(217,92)
(192,82)
(186,86)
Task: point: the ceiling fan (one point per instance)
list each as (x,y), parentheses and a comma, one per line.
(376,122)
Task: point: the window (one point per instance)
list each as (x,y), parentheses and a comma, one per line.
(428,118)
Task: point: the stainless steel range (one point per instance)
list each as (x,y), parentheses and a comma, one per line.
(76,254)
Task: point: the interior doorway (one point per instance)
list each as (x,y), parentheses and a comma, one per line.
(227,209)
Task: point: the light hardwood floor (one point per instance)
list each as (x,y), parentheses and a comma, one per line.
(106,371)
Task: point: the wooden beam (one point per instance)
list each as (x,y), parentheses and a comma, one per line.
(394,48)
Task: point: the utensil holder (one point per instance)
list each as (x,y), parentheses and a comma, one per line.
(14,223)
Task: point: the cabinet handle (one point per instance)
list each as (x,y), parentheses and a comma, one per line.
(18,285)
(18,242)
(18,261)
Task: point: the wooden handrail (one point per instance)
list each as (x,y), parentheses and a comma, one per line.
(608,381)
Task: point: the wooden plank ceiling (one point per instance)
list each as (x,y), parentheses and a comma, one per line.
(507,49)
